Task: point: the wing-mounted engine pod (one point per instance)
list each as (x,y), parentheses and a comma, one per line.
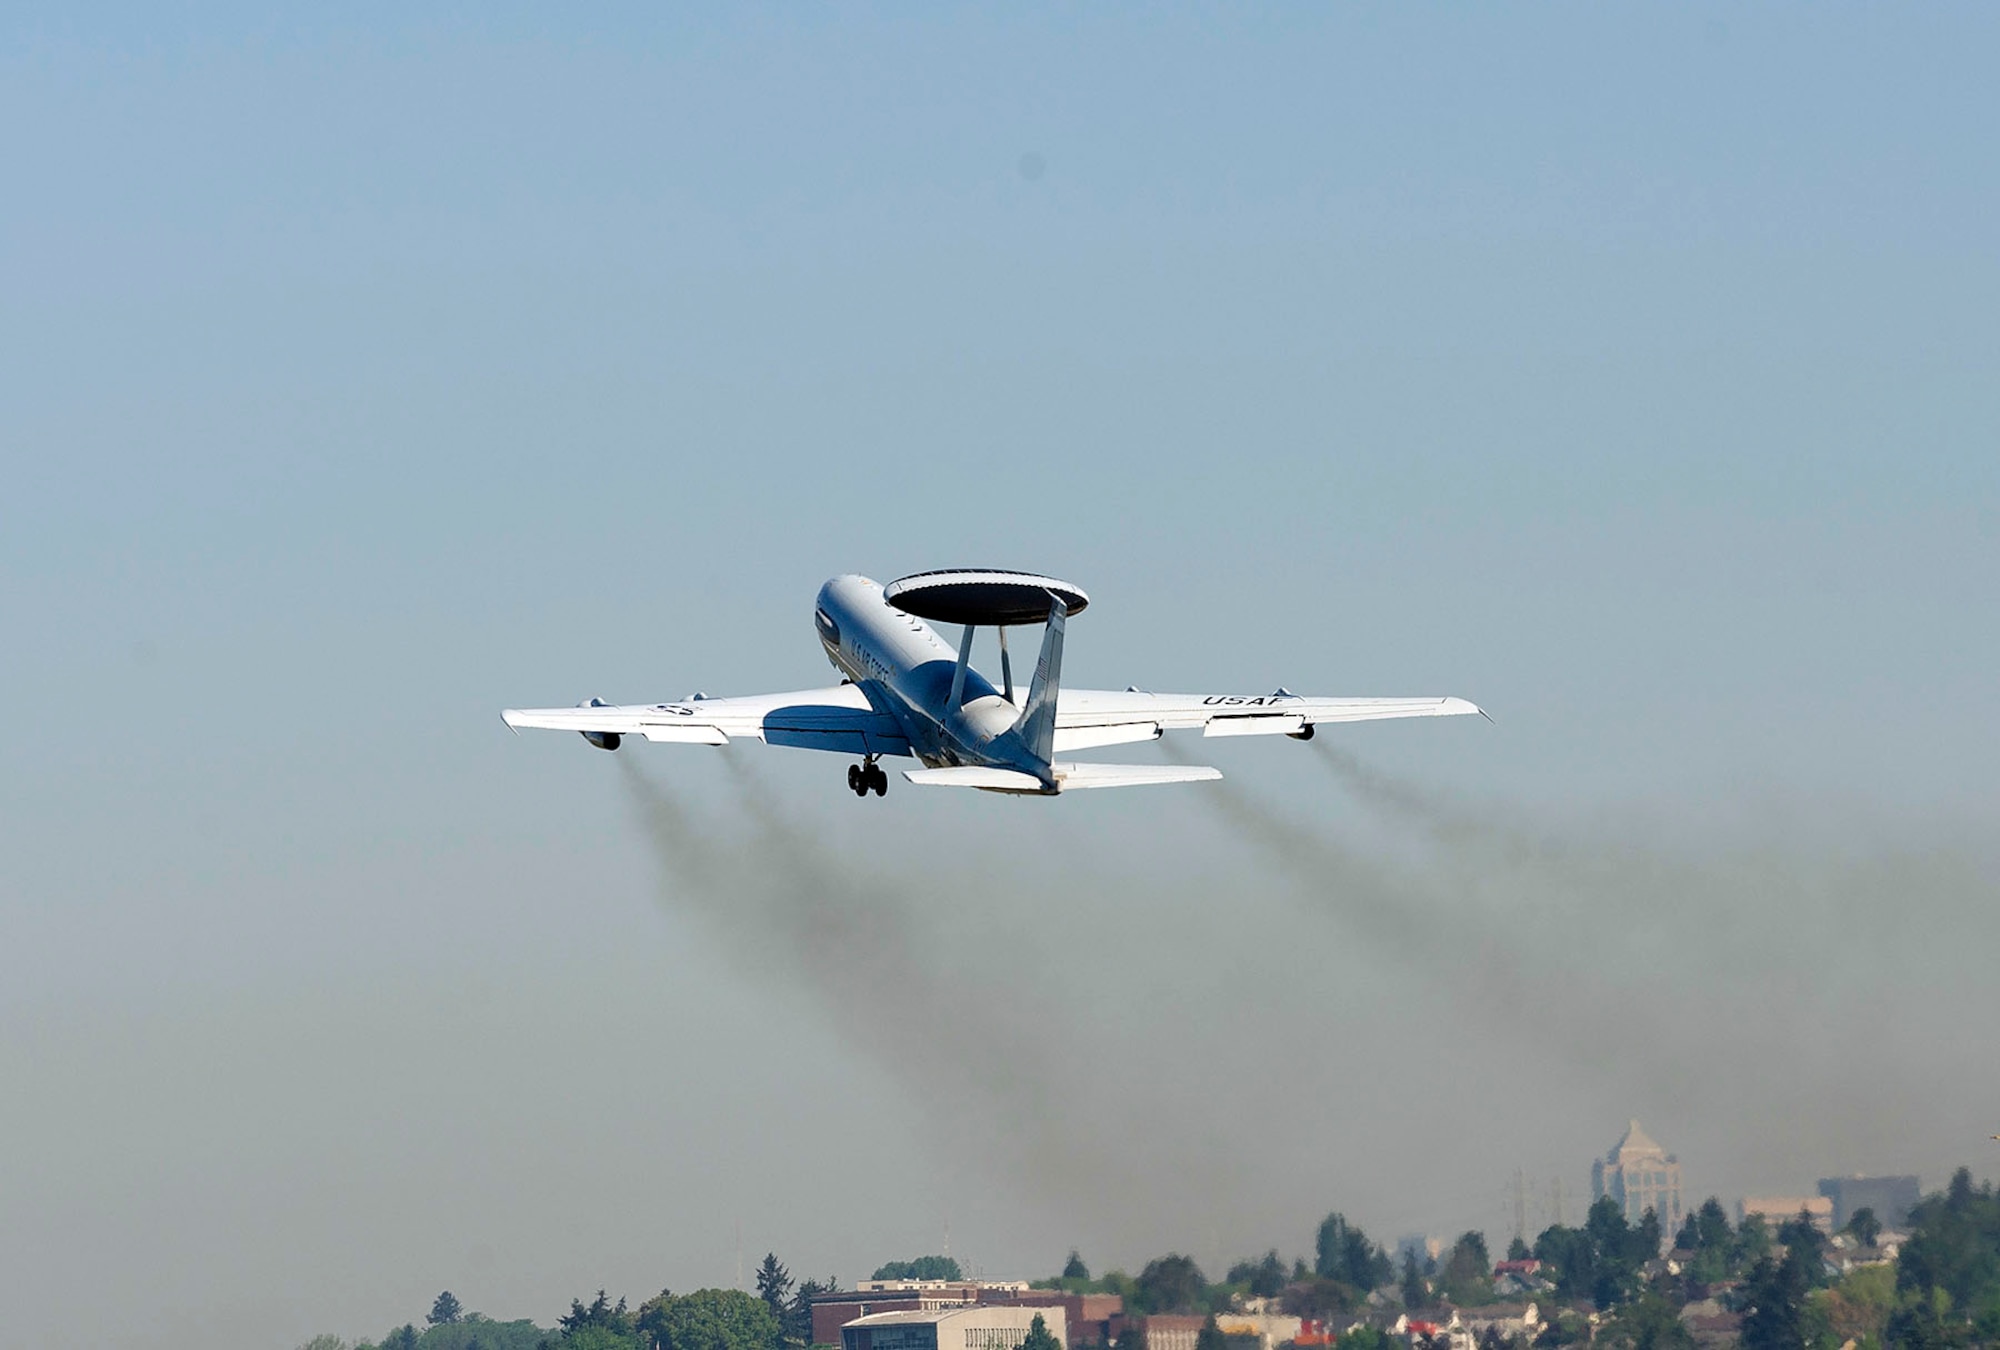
(982,597)
(603,740)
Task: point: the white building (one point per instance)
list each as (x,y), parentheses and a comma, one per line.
(976,1326)
(1640,1175)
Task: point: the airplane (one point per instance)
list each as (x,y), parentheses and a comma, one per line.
(906,693)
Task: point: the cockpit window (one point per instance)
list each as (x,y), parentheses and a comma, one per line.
(829,631)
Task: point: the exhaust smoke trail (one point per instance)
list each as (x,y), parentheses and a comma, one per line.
(1501,984)
(991,1063)
(1759,950)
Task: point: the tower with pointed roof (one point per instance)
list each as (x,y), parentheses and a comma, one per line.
(1640,1175)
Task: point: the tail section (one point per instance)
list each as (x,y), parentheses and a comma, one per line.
(1037,724)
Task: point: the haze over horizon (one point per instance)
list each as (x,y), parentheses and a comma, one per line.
(1627,372)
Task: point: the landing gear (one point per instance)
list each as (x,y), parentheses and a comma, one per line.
(867,776)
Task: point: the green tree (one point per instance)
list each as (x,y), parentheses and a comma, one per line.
(324,1342)
(774,1285)
(1467,1276)
(1711,1225)
(712,1319)
(1133,1337)
(1922,1322)
(1864,1226)
(1416,1293)
(1040,1337)
(445,1310)
(1805,1248)
(1571,1259)
(1074,1268)
(1319,1298)
(1645,1245)
(1210,1336)
(1170,1284)
(1517,1249)
(1773,1300)
(798,1319)
(1646,1323)
(1341,1251)
(923,1268)
(1264,1278)
(402,1338)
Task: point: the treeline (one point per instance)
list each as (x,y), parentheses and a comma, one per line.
(1606,1285)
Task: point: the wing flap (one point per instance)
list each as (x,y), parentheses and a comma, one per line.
(1112,733)
(1069,777)
(1270,724)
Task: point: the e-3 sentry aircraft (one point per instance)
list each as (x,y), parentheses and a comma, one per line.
(907,693)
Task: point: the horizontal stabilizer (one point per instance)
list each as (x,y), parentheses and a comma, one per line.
(1069,777)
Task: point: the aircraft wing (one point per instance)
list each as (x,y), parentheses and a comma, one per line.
(1089,717)
(839,719)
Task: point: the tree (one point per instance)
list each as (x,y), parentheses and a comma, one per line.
(1689,1238)
(1416,1294)
(1920,1323)
(1645,1245)
(798,1318)
(1040,1337)
(1210,1336)
(1647,1323)
(1773,1297)
(600,1315)
(1134,1335)
(1865,1226)
(711,1319)
(1171,1284)
(1711,1224)
(1074,1268)
(1262,1279)
(1804,1248)
(445,1310)
(774,1285)
(1467,1277)
(1517,1249)
(1343,1252)
(402,1338)
(324,1342)
(1318,1298)
(1571,1259)
(923,1268)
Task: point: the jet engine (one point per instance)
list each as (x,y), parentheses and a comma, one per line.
(603,740)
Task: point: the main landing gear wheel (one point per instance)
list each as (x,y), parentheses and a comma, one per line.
(861,778)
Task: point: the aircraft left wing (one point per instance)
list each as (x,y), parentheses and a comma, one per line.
(1090,717)
(840,719)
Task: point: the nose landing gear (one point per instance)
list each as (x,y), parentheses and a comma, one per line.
(866,776)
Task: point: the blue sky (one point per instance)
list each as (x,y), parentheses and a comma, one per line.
(1626,370)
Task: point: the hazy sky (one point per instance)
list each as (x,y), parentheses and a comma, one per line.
(1629,371)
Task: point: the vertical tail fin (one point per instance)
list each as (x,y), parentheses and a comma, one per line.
(1037,724)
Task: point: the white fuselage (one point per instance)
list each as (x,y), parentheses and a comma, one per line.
(906,669)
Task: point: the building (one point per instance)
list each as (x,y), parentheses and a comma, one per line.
(1892,1198)
(1780,1209)
(1271,1329)
(1640,1175)
(836,1308)
(1094,1319)
(970,1326)
(1172,1331)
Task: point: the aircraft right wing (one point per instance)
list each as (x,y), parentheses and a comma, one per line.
(1090,717)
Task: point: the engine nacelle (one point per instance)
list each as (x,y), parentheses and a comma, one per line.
(603,740)
(1304,733)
